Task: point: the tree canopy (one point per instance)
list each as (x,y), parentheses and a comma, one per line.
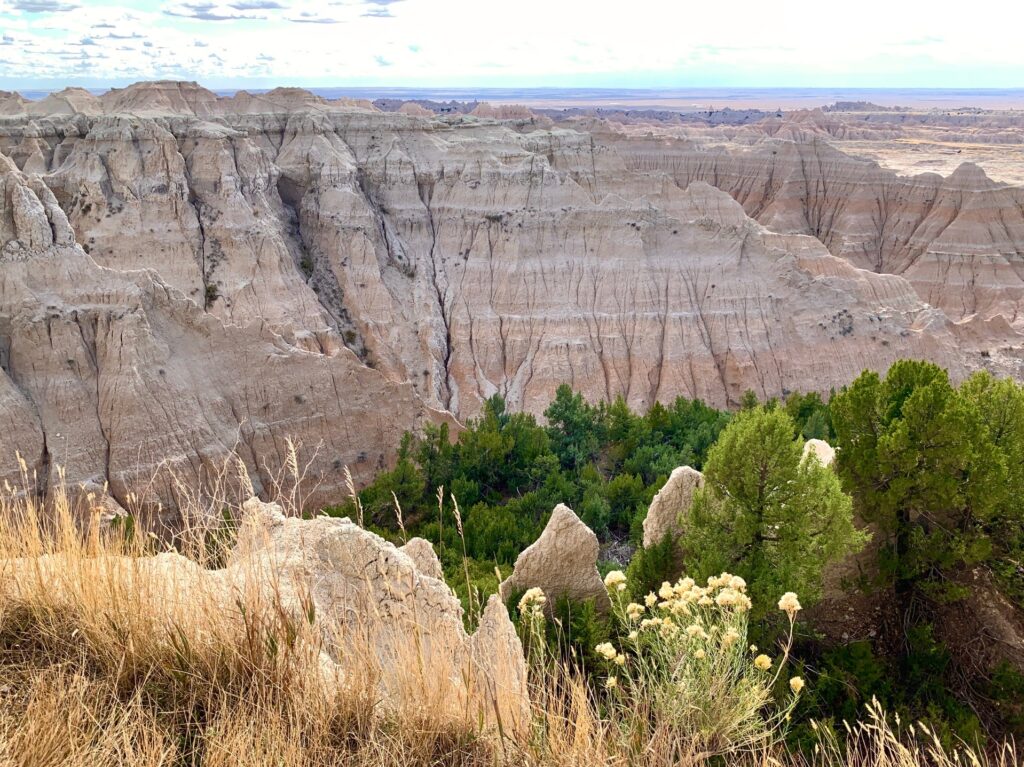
(766,513)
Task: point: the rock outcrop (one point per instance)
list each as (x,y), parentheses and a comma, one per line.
(422,554)
(956,239)
(400,265)
(118,377)
(370,594)
(821,450)
(562,562)
(671,504)
(376,616)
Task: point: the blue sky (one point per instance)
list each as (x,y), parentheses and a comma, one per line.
(671,43)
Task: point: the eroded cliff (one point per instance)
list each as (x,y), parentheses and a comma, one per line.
(183,272)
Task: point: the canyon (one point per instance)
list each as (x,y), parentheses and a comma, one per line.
(184,276)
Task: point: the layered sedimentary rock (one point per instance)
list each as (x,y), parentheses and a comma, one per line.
(562,562)
(958,240)
(671,504)
(118,377)
(321,270)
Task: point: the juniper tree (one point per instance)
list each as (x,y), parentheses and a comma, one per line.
(930,465)
(766,513)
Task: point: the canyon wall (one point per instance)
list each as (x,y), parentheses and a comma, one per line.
(183,274)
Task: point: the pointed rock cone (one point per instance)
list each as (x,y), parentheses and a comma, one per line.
(562,563)
(671,505)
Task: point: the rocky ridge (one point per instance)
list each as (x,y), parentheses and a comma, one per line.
(184,274)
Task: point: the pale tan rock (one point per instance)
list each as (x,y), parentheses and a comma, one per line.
(460,258)
(933,230)
(421,552)
(502,111)
(414,110)
(69,101)
(137,381)
(163,97)
(376,617)
(12,103)
(821,450)
(369,593)
(562,562)
(670,506)
(499,665)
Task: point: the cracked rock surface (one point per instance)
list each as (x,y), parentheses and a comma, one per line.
(562,562)
(671,504)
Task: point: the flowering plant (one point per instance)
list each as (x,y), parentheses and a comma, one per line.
(685,674)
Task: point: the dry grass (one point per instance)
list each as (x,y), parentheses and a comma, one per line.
(114,652)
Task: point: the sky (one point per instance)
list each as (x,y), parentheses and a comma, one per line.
(535,43)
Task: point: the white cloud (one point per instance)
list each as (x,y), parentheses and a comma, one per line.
(533,42)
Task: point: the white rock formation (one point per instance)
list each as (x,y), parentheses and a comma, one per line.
(671,504)
(421,552)
(376,616)
(562,562)
(821,450)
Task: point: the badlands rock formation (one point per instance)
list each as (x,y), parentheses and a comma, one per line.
(372,594)
(422,554)
(184,273)
(562,562)
(959,240)
(821,450)
(377,616)
(113,373)
(672,502)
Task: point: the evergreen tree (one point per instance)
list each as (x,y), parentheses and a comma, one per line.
(930,465)
(766,514)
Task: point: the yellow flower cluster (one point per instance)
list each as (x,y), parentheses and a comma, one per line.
(705,617)
(789,604)
(615,581)
(532,602)
(607,651)
(725,590)
(634,611)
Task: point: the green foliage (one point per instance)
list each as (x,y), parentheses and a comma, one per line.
(1000,406)
(811,415)
(931,465)
(576,628)
(651,567)
(508,472)
(767,515)
(1006,689)
(575,428)
(914,686)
